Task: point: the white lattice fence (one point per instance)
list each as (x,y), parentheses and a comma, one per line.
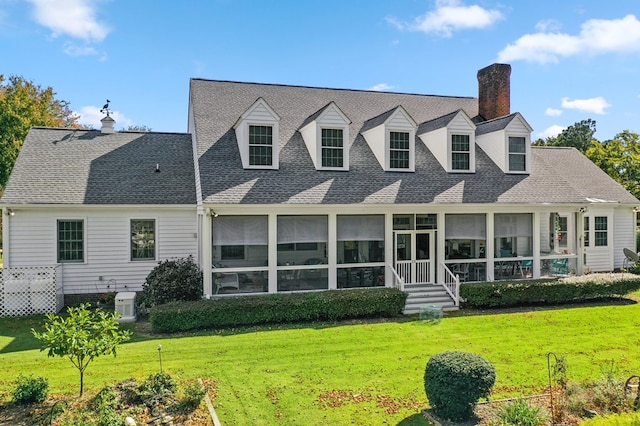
(29,290)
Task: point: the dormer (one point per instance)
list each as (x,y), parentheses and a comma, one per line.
(451,139)
(507,141)
(258,135)
(326,134)
(392,136)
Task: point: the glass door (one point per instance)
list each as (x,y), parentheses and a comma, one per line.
(404,255)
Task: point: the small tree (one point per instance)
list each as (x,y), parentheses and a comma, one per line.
(81,336)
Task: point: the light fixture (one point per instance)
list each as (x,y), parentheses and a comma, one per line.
(211,212)
(636,209)
(583,209)
(10,212)
(214,214)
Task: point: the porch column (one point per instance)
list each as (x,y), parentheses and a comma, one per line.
(440,247)
(389,244)
(207,242)
(535,271)
(490,247)
(273,253)
(6,249)
(332,251)
(580,242)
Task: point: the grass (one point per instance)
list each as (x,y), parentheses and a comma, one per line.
(346,373)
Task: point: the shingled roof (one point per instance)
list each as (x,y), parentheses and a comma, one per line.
(62,166)
(561,175)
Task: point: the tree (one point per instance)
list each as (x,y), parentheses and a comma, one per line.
(579,136)
(22,106)
(620,159)
(81,336)
(133,128)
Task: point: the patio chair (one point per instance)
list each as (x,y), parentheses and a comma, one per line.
(630,258)
(560,267)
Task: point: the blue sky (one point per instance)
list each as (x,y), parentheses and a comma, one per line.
(571,60)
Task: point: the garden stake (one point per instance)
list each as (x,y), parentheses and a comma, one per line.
(551,384)
(160,355)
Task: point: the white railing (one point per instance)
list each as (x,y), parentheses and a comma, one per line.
(423,271)
(398,282)
(404,270)
(451,284)
(28,290)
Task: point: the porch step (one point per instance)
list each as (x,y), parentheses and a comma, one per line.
(427,294)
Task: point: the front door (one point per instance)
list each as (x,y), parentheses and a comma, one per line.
(414,256)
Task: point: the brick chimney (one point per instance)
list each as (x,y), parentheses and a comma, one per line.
(494,91)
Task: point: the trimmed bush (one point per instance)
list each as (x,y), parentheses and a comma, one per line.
(173,280)
(277,308)
(454,382)
(501,294)
(30,390)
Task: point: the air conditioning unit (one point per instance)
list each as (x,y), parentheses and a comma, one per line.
(126,306)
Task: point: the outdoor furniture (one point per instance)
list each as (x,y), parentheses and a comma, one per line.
(560,267)
(630,258)
(227,280)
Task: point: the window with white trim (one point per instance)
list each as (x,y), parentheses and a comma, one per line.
(143,239)
(399,150)
(260,145)
(601,231)
(586,231)
(70,241)
(332,148)
(460,152)
(517,154)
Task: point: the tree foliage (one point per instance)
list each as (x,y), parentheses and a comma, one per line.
(136,128)
(81,336)
(579,136)
(23,105)
(620,159)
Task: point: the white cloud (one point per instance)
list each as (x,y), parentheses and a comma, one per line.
(73,50)
(382,87)
(91,116)
(551,131)
(597,36)
(552,112)
(449,16)
(594,105)
(75,18)
(548,25)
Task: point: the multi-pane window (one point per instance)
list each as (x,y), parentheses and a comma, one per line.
(460,155)
(235,252)
(600,231)
(517,154)
(70,241)
(143,239)
(586,231)
(398,150)
(332,148)
(260,145)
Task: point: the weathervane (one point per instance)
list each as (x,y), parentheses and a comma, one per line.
(105,108)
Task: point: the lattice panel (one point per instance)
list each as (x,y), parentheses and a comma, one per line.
(29,290)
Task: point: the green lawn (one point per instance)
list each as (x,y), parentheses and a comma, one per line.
(347,373)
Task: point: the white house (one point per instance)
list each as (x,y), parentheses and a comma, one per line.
(299,188)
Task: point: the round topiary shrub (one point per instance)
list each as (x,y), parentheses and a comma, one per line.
(454,382)
(173,280)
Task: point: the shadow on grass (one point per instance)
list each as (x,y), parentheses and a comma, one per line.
(18,329)
(414,420)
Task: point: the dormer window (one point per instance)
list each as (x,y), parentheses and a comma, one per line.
(399,150)
(332,148)
(257,132)
(326,135)
(517,154)
(260,145)
(460,152)
(391,137)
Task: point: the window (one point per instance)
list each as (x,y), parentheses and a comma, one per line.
(232,252)
(143,239)
(517,154)
(586,231)
(260,145)
(70,241)
(399,150)
(562,228)
(332,148)
(600,235)
(460,155)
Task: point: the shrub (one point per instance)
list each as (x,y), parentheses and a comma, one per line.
(104,405)
(191,397)
(277,308)
(547,291)
(454,382)
(157,389)
(173,280)
(520,413)
(30,390)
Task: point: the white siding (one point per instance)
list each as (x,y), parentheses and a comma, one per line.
(495,146)
(398,121)
(261,115)
(107,244)
(624,233)
(308,133)
(437,143)
(331,118)
(376,140)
